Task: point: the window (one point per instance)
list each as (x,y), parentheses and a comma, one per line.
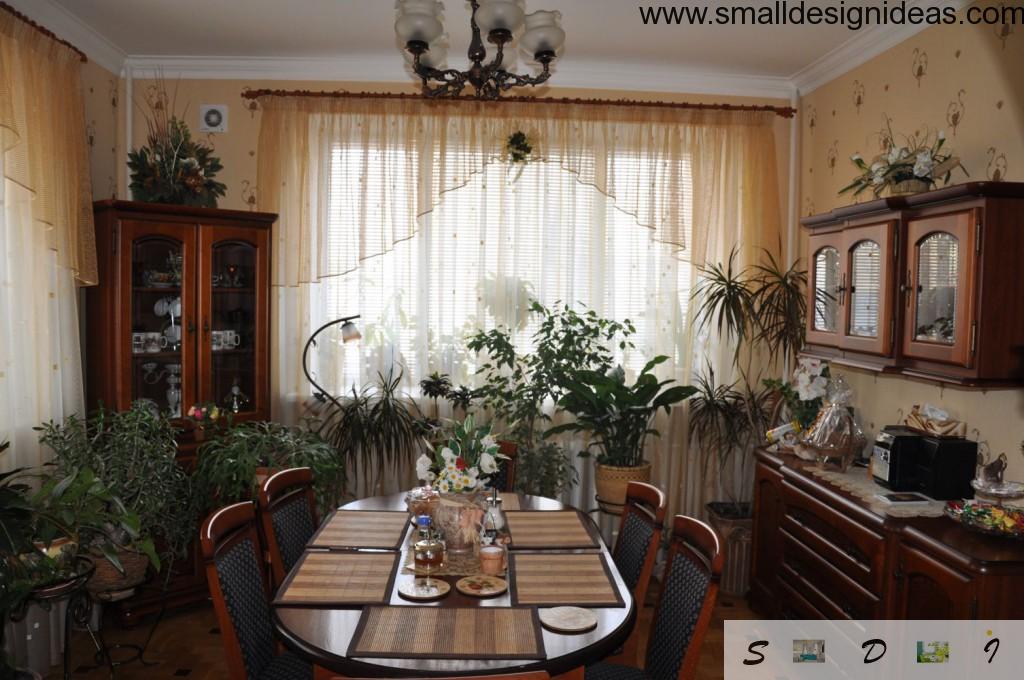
(501,239)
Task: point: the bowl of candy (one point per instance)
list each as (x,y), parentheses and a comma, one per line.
(988,518)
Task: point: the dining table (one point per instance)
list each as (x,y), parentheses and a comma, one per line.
(324,634)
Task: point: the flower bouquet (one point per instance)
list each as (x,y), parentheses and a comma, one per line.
(916,165)
(459,470)
(804,396)
(204,415)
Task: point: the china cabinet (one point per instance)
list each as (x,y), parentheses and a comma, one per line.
(180,317)
(924,284)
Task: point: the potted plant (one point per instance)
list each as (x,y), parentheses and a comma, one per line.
(133,455)
(377,431)
(518,386)
(761,311)
(237,459)
(911,167)
(619,418)
(459,469)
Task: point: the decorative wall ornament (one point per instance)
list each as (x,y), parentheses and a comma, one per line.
(833,154)
(251,105)
(809,206)
(1005,30)
(812,118)
(997,165)
(249,194)
(90,133)
(884,134)
(955,111)
(113,93)
(920,65)
(858,95)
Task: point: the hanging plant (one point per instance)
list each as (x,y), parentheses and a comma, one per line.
(518,148)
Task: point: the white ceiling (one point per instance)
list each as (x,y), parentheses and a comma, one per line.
(607,43)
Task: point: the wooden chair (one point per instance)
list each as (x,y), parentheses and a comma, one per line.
(322,674)
(505,479)
(234,571)
(636,548)
(683,613)
(289,517)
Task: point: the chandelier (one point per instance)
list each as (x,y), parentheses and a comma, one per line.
(420,29)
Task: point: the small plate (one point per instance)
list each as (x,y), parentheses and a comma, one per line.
(568,619)
(418,591)
(481,586)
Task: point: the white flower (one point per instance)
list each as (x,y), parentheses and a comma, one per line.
(488,443)
(897,154)
(924,165)
(488,464)
(942,134)
(856,157)
(423,464)
(448,455)
(444,487)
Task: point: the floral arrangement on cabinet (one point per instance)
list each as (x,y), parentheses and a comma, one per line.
(916,165)
(805,395)
(463,463)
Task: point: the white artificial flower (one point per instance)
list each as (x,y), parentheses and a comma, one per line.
(488,443)
(444,487)
(942,134)
(856,157)
(924,165)
(488,464)
(423,464)
(448,455)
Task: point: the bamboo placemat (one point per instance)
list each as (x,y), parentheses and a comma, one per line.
(340,579)
(567,579)
(509,501)
(349,529)
(448,633)
(549,529)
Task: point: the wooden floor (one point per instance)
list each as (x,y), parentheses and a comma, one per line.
(187,645)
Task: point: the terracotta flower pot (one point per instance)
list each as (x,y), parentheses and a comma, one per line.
(611,483)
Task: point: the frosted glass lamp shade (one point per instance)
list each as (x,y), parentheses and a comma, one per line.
(496,15)
(419,20)
(543,33)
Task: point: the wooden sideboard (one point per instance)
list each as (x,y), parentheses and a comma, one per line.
(821,552)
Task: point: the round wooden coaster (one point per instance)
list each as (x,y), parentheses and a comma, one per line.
(481,586)
(567,619)
(418,590)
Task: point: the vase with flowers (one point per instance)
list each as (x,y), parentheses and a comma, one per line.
(800,399)
(204,416)
(459,470)
(911,167)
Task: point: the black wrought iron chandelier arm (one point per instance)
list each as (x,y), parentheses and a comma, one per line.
(506,81)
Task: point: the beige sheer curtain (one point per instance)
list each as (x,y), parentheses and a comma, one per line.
(47,245)
(407,212)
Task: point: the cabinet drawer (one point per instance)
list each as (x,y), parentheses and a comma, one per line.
(793,604)
(837,591)
(852,548)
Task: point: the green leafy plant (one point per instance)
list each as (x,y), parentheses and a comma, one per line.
(618,416)
(436,386)
(172,167)
(516,385)
(377,430)
(545,469)
(133,453)
(228,463)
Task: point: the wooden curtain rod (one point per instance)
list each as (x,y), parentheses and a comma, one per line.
(784,111)
(42,29)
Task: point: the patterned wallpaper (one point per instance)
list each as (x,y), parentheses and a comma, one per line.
(104,96)
(968,81)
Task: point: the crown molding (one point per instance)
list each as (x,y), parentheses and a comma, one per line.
(69,27)
(864,46)
(388,67)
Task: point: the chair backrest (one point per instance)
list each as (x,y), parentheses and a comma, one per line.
(288,514)
(636,547)
(689,589)
(505,478)
(234,571)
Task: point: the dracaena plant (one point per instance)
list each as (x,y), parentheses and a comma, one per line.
(617,415)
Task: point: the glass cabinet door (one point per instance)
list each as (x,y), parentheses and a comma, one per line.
(159,303)
(826,274)
(865,289)
(233,278)
(939,303)
(866,293)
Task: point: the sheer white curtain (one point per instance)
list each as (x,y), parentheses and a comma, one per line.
(418,224)
(47,242)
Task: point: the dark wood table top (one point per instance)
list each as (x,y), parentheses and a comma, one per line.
(322,635)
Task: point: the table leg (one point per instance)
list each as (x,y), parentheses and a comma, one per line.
(321,673)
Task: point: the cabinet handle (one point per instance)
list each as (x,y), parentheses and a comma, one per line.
(191,326)
(842,290)
(848,610)
(206,325)
(906,287)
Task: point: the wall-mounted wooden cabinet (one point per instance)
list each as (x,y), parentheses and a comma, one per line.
(927,285)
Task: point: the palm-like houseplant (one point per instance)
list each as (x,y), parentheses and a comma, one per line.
(618,417)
